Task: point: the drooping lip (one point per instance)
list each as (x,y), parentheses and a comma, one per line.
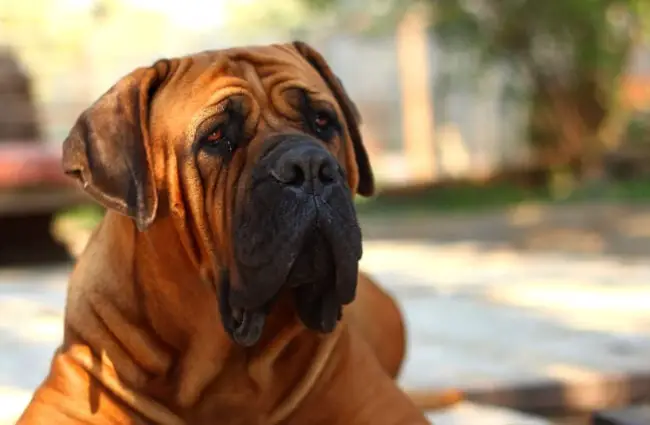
(320,312)
(245,323)
(281,255)
(245,326)
(244,312)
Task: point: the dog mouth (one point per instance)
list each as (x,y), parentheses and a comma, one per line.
(318,302)
(320,313)
(245,326)
(320,276)
(294,241)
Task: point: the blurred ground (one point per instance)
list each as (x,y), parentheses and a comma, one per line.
(618,229)
(533,307)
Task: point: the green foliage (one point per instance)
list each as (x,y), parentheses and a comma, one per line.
(560,38)
(638,129)
(486,197)
(565,57)
(564,38)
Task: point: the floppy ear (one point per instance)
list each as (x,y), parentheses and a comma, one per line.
(352,117)
(108,149)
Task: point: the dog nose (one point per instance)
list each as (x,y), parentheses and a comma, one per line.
(310,168)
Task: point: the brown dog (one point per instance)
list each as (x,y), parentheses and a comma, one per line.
(213,290)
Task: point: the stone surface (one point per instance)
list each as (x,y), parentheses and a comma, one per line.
(569,329)
(31,307)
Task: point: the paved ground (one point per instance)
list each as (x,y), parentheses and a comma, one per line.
(31,306)
(569,330)
(469,413)
(491,321)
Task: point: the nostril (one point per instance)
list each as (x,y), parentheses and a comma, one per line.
(326,174)
(309,169)
(297,176)
(290,174)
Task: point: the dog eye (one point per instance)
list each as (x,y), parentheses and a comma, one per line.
(324,125)
(215,136)
(218,141)
(321,121)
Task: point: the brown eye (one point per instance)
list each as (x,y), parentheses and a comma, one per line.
(323,124)
(219,142)
(215,136)
(322,121)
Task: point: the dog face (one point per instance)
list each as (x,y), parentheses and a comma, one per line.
(258,154)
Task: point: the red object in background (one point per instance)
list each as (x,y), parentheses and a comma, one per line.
(30,164)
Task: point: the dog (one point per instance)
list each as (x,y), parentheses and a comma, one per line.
(219,286)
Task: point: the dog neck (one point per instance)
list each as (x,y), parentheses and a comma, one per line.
(148,315)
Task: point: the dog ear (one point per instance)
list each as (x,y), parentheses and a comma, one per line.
(352,116)
(108,150)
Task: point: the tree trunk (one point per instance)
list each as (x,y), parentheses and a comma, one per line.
(418,127)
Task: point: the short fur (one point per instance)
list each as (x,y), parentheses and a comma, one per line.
(144,341)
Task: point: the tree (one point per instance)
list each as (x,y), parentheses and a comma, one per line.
(571,53)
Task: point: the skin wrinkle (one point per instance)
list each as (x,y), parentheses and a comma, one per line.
(194,381)
(107,321)
(231,192)
(266,88)
(255,84)
(259,59)
(304,386)
(152,353)
(210,74)
(221,178)
(212,108)
(115,347)
(178,201)
(260,97)
(160,348)
(151,356)
(193,187)
(236,192)
(218,205)
(286,109)
(156,412)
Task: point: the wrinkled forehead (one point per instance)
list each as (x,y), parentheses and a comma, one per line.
(263,72)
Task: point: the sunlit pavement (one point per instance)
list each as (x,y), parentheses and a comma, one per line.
(31,308)
(480,320)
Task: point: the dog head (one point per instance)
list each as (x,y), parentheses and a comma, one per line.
(256,153)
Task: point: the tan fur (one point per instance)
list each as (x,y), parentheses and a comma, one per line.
(143,341)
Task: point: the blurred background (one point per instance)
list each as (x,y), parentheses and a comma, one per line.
(511,144)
